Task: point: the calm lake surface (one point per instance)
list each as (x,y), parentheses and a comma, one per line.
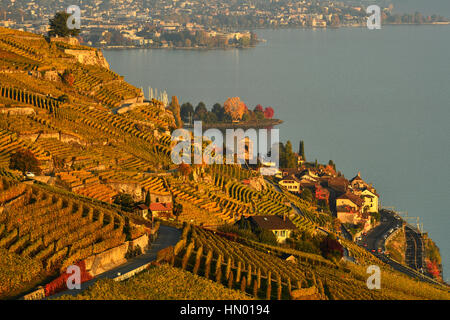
(373,101)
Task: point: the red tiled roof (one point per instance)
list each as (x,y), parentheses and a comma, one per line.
(355,199)
(339,183)
(159,207)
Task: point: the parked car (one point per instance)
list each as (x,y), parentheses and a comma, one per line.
(29,174)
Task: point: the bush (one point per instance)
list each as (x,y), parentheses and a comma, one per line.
(241,232)
(24,161)
(306,195)
(266,236)
(68,78)
(64,98)
(125,201)
(331,248)
(133,252)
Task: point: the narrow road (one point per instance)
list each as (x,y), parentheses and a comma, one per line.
(168,236)
(375,242)
(377,236)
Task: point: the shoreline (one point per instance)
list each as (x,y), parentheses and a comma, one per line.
(231,125)
(125,47)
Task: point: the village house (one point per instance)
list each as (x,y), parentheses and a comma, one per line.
(338,184)
(349,208)
(308,178)
(161,210)
(370,200)
(291,183)
(281,227)
(357,183)
(300,160)
(361,188)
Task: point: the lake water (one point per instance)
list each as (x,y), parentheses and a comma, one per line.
(373,101)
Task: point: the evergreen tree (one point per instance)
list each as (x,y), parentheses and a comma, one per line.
(218,110)
(147,199)
(290,158)
(301,149)
(200,111)
(175,108)
(58,26)
(186,111)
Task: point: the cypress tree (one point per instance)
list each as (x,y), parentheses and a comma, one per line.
(301,150)
(147,199)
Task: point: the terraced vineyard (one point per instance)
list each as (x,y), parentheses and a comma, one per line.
(34,100)
(53,229)
(152,285)
(42,232)
(205,253)
(10,143)
(237,266)
(90,145)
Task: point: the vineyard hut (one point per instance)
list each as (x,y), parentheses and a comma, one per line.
(159,196)
(281,227)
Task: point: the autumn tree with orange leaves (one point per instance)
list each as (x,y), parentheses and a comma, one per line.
(235,108)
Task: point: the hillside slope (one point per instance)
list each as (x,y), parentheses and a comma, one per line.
(59,101)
